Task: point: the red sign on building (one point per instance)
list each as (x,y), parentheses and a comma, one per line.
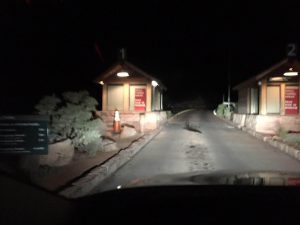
(291,100)
(140,99)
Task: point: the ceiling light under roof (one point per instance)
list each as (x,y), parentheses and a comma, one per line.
(290,73)
(278,78)
(123,74)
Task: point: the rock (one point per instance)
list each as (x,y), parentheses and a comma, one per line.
(128,132)
(59,154)
(276,138)
(109,145)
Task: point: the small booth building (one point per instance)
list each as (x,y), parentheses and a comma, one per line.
(270,100)
(135,94)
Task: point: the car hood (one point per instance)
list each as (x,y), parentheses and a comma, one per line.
(258,178)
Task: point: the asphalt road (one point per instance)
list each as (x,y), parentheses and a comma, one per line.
(217,147)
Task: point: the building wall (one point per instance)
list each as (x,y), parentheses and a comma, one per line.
(273,98)
(267,124)
(254,100)
(263,97)
(243,101)
(141,121)
(111,96)
(248,100)
(156,99)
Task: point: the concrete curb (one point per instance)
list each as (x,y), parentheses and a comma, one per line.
(83,186)
(287,149)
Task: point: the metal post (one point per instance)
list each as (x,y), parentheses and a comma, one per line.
(153,99)
(229,78)
(161,100)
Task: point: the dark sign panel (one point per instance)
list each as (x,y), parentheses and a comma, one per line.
(23,135)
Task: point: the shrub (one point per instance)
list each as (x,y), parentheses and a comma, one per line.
(72,117)
(292,138)
(220,110)
(282,133)
(169,114)
(48,105)
(227,113)
(224,111)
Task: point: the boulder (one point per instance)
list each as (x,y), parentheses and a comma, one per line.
(59,154)
(127,132)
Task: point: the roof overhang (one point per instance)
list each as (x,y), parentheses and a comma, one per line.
(126,66)
(277,69)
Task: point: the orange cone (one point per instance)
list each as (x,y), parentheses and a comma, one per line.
(116,124)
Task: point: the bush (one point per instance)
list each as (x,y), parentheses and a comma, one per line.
(169,114)
(220,110)
(224,111)
(72,117)
(282,133)
(227,113)
(292,138)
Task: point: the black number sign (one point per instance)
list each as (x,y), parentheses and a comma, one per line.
(292,50)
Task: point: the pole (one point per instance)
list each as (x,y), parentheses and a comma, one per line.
(153,99)
(161,101)
(229,77)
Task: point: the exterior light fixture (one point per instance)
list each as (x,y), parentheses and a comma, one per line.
(277,79)
(123,74)
(101,82)
(290,73)
(259,83)
(154,83)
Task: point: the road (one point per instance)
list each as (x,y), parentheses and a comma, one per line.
(218,146)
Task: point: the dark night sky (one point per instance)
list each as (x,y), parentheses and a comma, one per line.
(49,46)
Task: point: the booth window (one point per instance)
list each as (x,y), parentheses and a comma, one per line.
(273,99)
(115,97)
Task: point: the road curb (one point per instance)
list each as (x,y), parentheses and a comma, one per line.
(287,149)
(84,185)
